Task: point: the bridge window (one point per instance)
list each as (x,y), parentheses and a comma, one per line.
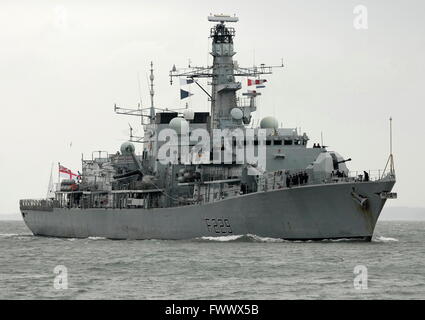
(268,142)
(278,142)
(288,142)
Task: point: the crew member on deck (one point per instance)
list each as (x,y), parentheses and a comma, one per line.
(366,176)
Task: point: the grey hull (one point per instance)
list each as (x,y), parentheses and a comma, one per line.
(326,211)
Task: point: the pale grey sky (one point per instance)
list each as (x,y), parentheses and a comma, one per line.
(63,64)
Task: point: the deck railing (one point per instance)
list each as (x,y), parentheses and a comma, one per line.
(39,205)
(277,180)
(357,176)
(270,181)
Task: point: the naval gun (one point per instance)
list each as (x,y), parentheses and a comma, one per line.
(127,149)
(344,161)
(147,181)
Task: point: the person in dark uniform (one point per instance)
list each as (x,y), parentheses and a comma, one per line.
(366,176)
(243,188)
(288,181)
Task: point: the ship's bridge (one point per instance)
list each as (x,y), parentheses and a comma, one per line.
(283,137)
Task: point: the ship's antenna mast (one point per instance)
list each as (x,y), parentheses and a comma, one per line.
(140,111)
(50,186)
(391,147)
(390,160)
(152,93)
(391,135)
(223,72)
(140,98)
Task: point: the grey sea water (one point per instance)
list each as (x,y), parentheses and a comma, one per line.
(236,267)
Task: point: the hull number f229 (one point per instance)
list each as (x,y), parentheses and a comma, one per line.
(219,225)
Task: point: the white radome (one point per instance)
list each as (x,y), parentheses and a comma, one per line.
(180,125)
(189,114)
(269,123)
(236,113)
(127,148)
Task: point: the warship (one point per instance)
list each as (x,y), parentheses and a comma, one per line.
(214,173)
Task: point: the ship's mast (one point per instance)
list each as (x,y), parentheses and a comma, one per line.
(224,86)
(152,93)
(390,160)
(392,171)
(223,72)
(139,111)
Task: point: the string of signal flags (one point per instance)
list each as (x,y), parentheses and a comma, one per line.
(185,93)
(258,83)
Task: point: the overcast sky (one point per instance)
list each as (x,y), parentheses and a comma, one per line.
(63,65)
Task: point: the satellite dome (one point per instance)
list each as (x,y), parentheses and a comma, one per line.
(127,148)
(236,113)
(180,125)
(188,114)
(269,123)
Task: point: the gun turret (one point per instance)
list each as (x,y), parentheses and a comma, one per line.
(127,148)
(127,174)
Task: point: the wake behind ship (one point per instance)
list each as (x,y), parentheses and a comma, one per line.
(214,173)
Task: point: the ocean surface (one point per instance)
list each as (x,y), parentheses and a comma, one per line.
(234,267)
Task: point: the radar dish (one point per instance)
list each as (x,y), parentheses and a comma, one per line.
(236,113)
(189,114)
(127,148)
(269,123)
(180,125)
